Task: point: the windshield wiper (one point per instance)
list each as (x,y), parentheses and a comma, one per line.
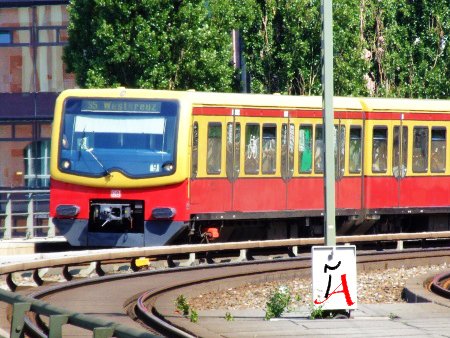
(91,151)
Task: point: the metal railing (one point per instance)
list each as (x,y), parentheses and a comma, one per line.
(100,328)
(25,214)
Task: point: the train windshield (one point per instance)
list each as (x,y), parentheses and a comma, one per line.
(135,137)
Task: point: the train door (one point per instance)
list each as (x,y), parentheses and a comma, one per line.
(400,157)
(210,190)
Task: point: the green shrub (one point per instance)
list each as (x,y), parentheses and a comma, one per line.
(277,303)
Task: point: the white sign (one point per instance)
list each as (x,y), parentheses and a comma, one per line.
(334,277)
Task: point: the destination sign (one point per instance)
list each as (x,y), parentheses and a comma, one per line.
(131,106)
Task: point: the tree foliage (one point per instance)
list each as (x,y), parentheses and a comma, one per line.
(392,48)
(151,44)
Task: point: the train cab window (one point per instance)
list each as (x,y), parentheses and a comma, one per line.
(400,151)
(379,150)
(287,150)
(305,149)
(354,159)
(420,149)
(269,149)
(339,150)
(233,149)
(438,149)
(194,150)
(252,140)
(214,151)
(319,150)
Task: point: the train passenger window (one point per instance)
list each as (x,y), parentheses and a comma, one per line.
(379,150)
(252,141)
(319,150)
(354,159)
(194,150)
(287,150)
(269,149)
(420,149)
(305,149)
(400,150)
(438,148)
(339,150)
(233,149)
(214,151)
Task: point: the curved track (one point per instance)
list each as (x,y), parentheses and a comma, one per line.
(112,297)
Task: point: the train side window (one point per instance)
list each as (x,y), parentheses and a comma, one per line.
(214,151)
(339,150)
(194,150)
(438,149)
(319,150)
(400,170)
(233,149)
(252,140)
(379,150)
(305,149)
(287,149)
(269,149)
(354,159)
(420,149)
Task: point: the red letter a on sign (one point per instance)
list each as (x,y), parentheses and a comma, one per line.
(344,290)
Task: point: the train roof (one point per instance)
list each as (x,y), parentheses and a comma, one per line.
(268,100)
(406,105)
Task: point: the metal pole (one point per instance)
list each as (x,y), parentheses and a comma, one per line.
(328,117)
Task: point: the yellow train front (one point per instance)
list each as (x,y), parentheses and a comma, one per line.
(119,167)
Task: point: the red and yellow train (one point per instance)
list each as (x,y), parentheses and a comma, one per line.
(136,167)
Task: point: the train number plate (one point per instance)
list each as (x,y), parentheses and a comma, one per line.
(116,193)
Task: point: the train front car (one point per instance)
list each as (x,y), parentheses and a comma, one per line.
(118,167)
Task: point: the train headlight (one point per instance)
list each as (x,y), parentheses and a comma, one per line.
(168,166)
(67,210)
(65,164)
(163,213)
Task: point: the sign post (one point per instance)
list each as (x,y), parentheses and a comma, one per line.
(328,121)
(333,267)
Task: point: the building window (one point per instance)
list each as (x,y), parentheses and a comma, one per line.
(37,164)
(5,37)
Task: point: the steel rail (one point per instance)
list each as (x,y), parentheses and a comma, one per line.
(437,282)
(105,255)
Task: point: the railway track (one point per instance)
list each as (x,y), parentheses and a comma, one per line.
(152,292)
(440,285)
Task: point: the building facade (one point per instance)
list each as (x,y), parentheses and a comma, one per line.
(32,37)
